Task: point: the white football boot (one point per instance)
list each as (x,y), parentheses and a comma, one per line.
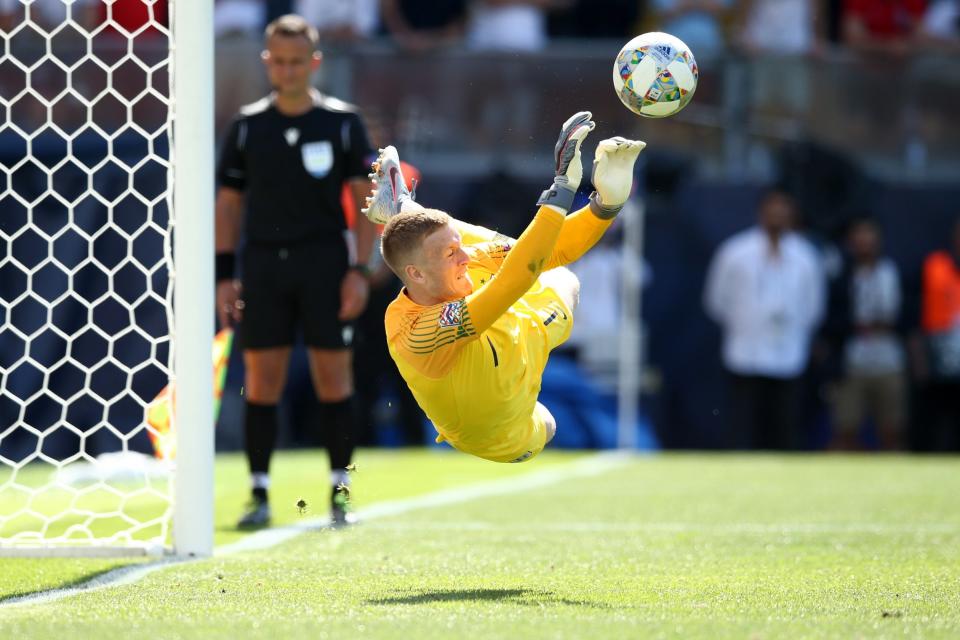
(390,193)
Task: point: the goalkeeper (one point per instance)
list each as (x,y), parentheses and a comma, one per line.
(479,313)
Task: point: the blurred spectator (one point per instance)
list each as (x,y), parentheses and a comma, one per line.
(781,27)
(595,19)
(48,14)
(936,352)
(132,15)
(765,289)
(508,25)
(886,26)
(696,22)
(423,25)
(867,304)
(238,18)
(941,24)
(777,34)
(341,21)
(237,25)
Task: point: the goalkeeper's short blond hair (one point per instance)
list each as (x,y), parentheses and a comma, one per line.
(405,232)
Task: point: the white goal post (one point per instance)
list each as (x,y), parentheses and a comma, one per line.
(192,46)
(106,276)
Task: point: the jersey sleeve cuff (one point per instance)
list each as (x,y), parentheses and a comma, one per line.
(552,213)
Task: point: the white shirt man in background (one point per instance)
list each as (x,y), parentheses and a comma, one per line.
(341,21)
(766,290)
(508,25)
(238,29)
(778,35)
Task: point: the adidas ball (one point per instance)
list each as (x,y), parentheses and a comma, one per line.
(655,75)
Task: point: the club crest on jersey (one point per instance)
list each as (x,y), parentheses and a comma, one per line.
(317,157)
(452,314)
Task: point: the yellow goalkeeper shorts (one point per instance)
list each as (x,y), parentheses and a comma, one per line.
(530,436)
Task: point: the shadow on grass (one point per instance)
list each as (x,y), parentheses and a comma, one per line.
(512,596)
(79,582)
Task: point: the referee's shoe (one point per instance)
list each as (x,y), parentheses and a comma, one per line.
(257,515)
(390,193)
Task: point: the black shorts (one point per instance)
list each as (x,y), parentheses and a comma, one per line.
(291,288)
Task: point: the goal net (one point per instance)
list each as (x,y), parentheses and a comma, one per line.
(88,272)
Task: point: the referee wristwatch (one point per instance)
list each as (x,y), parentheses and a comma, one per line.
(362,269)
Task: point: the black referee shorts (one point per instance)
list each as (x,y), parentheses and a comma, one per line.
(294,287)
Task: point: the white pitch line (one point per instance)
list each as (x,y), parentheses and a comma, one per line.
(114,578)
(591,466)
(679,527)
(582,468)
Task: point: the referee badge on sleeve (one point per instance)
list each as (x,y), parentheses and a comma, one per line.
(317,157)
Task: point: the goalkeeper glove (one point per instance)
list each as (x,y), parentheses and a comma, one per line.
(613,175)
(566,154)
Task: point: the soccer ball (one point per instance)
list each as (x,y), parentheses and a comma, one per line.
(655,75)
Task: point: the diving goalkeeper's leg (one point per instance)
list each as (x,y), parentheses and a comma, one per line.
(549,422)
(564,283)
(390,194)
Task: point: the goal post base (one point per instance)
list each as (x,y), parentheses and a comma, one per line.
(79,551)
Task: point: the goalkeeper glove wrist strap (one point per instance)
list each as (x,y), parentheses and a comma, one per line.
(602,211)
(559,195)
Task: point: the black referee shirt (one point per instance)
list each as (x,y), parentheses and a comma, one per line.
(292,168)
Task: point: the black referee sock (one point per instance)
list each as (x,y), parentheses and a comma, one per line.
(260,436)
(337,420)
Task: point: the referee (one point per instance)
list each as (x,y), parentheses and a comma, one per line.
(282,168)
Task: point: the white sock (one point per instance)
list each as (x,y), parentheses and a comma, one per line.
(339,477)
(260,480)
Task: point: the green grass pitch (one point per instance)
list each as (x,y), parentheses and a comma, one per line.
(662,546)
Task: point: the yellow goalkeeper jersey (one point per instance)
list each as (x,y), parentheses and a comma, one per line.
(475,364)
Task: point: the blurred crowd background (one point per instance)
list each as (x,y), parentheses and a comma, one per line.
(832,123)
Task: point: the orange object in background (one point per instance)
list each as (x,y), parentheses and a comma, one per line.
(160,411)
(941,292)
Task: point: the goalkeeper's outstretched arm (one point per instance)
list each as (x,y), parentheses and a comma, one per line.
(528,258)
(519,270)
(613,178)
